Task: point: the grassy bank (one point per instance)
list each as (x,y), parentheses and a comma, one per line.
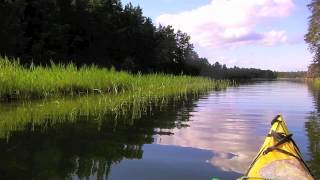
(316,83)
(313,83)
(67,93)
(37,82)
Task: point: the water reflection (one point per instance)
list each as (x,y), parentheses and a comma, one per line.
(229,136)
(313,131)
(65,150)
(170,162)
(237,120)
(216,135)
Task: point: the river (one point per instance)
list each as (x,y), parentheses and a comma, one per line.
(215,135)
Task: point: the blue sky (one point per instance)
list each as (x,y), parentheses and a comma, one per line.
(265,34)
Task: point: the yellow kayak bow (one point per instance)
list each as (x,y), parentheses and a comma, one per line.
(279,157)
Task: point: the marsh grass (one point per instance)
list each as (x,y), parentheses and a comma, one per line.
(38,82)
(65,93)
(316,83)
(124,107)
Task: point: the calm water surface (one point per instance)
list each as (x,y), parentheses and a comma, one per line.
(216,135)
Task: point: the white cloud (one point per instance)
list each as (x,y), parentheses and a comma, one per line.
(224,23)
(232,61)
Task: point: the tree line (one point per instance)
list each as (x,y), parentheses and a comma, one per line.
(105,33)
(294,74)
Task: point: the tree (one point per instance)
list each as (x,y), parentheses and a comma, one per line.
(313,35)
(100,32)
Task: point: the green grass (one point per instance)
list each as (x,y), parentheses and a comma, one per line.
(124,107)
(66,93)
(316,83)
(37,82)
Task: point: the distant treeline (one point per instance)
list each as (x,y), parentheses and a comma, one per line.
(220,71)
(105,33)
(297,74)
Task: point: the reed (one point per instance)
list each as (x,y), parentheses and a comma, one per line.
(316,83)
(57,80)
(62,93)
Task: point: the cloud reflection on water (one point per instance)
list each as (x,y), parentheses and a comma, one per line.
(222,137)
(236,121)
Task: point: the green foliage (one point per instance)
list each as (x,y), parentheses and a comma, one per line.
(219,71)
(316,83)
(106,105)
(100,32)
(313,70)
(297,74)
(57,80)
(313,37)
(86,92)
(125,107)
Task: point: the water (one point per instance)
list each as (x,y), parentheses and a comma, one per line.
(216,135)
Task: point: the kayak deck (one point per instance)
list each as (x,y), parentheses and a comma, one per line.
(279,157)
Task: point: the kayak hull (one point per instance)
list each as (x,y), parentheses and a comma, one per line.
(279,157)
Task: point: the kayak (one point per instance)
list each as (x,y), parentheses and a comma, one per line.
(279,157)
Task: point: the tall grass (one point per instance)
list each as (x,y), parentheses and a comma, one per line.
(316,83)
(65,93)
(124,107)
(56,80)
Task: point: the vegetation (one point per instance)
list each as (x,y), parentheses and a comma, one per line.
(313,38)
(55,148)
(100,32)
(104,33)
(59,80)
(297,74)
(127,106)
(313,125)
(313,70)
(87,92)
(219,71)
(315,83)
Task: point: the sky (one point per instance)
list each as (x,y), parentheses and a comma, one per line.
(266,34)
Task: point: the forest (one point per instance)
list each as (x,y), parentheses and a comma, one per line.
(105,33)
